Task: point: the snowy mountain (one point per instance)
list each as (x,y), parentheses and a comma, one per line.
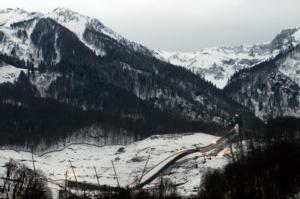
(272,88)
(75,62)
(16,26)
(84,27)
(218,64)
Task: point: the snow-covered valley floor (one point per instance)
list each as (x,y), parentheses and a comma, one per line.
(129,161)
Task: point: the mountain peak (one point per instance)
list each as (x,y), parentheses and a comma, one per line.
(67,13)
(13,15)
(64,9)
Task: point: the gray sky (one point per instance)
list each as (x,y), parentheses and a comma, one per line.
(182,25)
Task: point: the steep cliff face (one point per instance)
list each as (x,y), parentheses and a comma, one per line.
(272,88)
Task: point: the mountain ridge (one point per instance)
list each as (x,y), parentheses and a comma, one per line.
(125,81)
(270,89)
(219,64)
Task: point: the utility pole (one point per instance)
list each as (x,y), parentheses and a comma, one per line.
(144,169)
(97,178)
(66,180)
(112,162)
(32,157)
(77,185)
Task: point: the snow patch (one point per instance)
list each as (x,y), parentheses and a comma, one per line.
(291,67)
(9,73)
(296,35)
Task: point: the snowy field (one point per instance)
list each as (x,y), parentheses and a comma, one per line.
(129,161)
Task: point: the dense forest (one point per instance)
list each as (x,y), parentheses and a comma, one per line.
(269,168)
(271,171)
(29,119)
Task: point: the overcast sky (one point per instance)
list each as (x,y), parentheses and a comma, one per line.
(182,25)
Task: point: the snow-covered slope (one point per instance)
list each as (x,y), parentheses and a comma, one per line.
(129,160)
(79,23)
(290,67)
(10,16)
(16,26)
(218,64)
(9,73)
